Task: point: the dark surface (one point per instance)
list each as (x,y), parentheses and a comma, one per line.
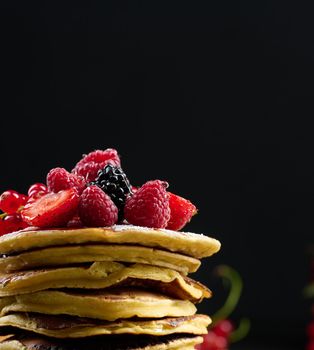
(214,97)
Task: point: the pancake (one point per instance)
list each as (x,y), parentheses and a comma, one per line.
(104,305)
(101,275)
(29,341)
(187,243)
(75,327)
(67,255)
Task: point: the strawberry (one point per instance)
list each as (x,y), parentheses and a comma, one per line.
(51,209)
(181,210)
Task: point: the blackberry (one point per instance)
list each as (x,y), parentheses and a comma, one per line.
(112,180)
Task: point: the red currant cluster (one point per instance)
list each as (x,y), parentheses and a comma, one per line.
(310,334)
(309,293)
(218,337)
(12,202)
(223,331)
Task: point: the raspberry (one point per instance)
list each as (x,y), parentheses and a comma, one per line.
(182,211)
(89,171)
(59,179)
(100,156)
(149,206)
(51,209)
(96,208)
(96,160)
(134,188)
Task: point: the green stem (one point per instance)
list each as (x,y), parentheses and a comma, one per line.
(308,291)
(235,289)
(240,332)
(2,216)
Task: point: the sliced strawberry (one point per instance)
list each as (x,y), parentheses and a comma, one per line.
(181,210)
(52,209)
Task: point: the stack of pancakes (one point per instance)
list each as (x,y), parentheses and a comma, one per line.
(118,288)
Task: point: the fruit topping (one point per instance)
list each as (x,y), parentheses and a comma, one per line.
(60,179)
(149,205)
(99,156)
(96,192)
(96,208)
(75,222)
(92,162)
(181,210)
(51,209)
(11,223)
(36,188)
(113,181)
(2,227)
(10,201)
(14,222)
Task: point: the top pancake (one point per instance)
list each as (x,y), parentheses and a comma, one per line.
(187,243)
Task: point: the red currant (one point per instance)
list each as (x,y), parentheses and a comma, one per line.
(13,222)
(36,188)
(213,341)
(24,199)
(223,328)
(310,330)
(310,345)
(10,201)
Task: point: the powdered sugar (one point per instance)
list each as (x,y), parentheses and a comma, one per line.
(120,228)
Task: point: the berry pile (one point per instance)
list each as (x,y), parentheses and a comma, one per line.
(95,193)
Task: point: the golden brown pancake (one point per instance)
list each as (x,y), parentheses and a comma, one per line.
(100,275)
(67,255)
(75,327)
(101,304)
(116,288)
(187,243)
(29,341)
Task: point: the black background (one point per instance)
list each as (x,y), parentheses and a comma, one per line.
(214,97)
